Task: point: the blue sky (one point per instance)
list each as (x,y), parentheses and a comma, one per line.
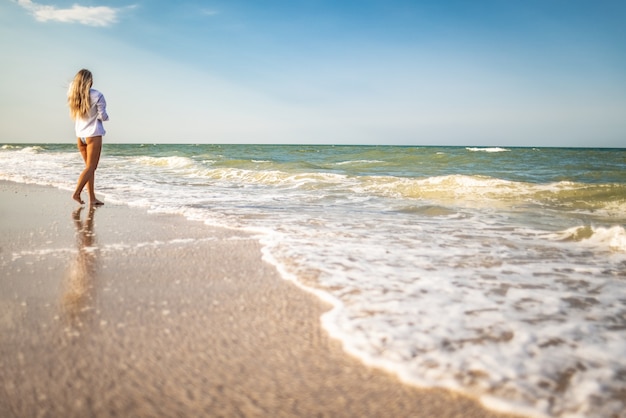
(448,72)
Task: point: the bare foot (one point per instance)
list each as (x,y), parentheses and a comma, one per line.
(96,202)
(77,198)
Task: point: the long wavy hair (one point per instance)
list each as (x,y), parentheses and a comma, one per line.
(78,94)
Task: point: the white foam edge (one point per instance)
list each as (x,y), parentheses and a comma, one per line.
(328,324)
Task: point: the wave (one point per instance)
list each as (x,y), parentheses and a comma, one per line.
(491,149)
(479,190)
(30,149)
(450,190)
(613,238)
(173,162)
(455,189)
(359,162)
(274,178)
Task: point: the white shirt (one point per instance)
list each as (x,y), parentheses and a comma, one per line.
(91,125)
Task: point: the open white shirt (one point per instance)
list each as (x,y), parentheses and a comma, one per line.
(91,125)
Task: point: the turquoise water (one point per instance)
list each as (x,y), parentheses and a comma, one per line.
(499,272)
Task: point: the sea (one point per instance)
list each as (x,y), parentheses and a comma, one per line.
(497,272)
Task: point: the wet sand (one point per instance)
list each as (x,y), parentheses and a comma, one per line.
(116,312)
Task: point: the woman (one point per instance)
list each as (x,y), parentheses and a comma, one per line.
(88,109)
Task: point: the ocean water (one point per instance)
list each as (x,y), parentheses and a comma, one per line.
(497,272)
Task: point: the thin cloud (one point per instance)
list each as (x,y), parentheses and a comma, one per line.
(209,12)
(85,15)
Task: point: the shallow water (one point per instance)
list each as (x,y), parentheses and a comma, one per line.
(495,271)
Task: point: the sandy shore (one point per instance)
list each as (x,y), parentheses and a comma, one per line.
(121,313)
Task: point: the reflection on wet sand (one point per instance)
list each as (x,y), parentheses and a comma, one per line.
(78,294)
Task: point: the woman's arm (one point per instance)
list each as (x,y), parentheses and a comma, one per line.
(101,104)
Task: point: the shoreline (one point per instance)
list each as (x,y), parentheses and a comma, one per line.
(120,312)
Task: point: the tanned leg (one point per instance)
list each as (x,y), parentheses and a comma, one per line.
(82,148)
(91,155)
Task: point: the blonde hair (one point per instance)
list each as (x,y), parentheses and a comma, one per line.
(78,95)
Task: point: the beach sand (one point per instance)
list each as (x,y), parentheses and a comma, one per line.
(150,315)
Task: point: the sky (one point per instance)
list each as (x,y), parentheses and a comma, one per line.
(401,72)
